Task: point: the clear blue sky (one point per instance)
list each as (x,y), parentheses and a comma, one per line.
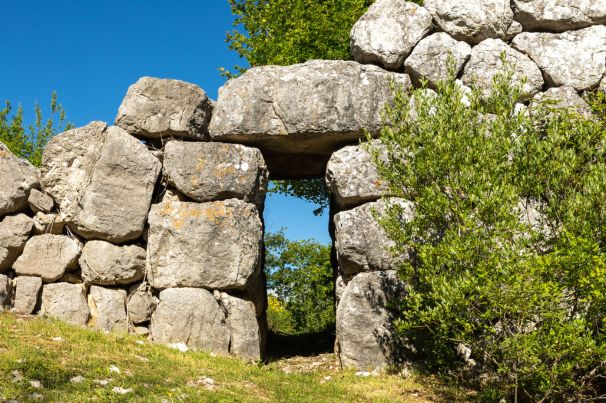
(91,51)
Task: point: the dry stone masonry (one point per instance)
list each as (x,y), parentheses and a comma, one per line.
(153,226)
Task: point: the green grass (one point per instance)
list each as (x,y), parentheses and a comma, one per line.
(158,373)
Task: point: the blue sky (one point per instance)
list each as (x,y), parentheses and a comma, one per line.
(91,51)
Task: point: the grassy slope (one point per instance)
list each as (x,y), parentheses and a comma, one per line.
(155,372)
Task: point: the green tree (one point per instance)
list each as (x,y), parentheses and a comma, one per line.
(30,143)
(299,276)
(508,239)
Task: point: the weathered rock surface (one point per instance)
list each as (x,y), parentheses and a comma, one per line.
(485,63)
(27,292)
(65,302)
(365,336)
(48,224)
(559,15)
(105,264)
(214,245)
(216,171)
(573,59)
(361,242)
(141,305)
(107,309)
(5,290)
(40,202)
(473,20)
(14,232)
(429,60)
(565,97)
(298,115)
(247,339)
(103,180)
(352,177)
(155,108)
(388,31)
(48,256)
(602,86)
(191,316)
(17,178)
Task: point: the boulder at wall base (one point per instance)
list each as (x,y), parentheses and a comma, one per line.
(155,108)
(360,241)
(107,309)
(14,232)
(102,178)
(191,316)
(247,336)
(365,334)
(17,178)
(105,264)
(298,115)
(215,245)
(27,292)
(565,97)
(5,291)
(48,256)
(560,15)
(216,171)
(65,302)
(141,305)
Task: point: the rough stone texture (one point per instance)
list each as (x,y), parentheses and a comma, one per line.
(191,316)
(103,180)
(298,115)
(40,202)
(216,171)
(48,256)
(105,264)
(473,20)
(388,31)
(14,232)
(360,241)
(107,309)
(65,302)
(141,305)
(214,245)
(573,59)
(364,332)
(429,60)
(27,291)
(559,15)
(485,63)
(17,178)
(352,177)
(155,108)
(48,224)
(565,97)
(5,291)
(602,86)
(247,337)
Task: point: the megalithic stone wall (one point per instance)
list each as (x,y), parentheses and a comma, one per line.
(154,225)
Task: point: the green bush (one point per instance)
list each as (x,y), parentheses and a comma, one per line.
(508,239)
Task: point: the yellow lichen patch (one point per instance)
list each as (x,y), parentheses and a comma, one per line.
(181,214)
(224,170)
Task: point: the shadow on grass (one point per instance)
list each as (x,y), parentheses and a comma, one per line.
(280,346)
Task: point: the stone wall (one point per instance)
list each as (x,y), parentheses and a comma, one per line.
(154,225)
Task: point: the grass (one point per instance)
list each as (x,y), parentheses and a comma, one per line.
(51,352)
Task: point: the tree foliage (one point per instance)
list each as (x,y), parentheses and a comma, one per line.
(300,282)
(508,239)
(30,143)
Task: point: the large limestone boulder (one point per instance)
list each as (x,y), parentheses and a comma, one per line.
(215,245)
(216,171)
(247,337)
(27,292)
(352,177)
(565,97)
(474,20)
(5,291)
(14,232)
(430,58)
(103,180)
(65,302)
(105,264)
(574,59)
(17,178)
(559,15)
(388,31)
(191,316)
(141,305)
(361,242)
(365,333)
(48,256)
(298,115)
(485,63)
(155,108)
(107,309)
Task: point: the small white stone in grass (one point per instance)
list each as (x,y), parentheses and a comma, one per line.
(120,390)
(141,342)
(178,346)
(363,374)
(114,369)
(36,396)
(35,384)
(57,339)
(18,376)
(102,382)
(142,359)
(77,379)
